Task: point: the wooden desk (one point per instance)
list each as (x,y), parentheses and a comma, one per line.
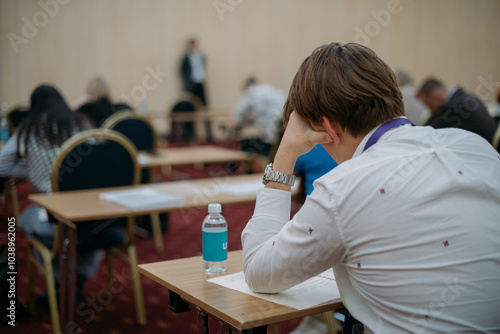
(191,155)
(239,311)
(83,205)
(214,115)
(222,117)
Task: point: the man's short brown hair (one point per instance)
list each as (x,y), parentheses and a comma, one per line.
(428,86)
(348,84)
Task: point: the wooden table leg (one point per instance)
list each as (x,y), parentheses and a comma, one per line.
(176,303)
(224,329)
(67,274)
(256,330)
(201,321)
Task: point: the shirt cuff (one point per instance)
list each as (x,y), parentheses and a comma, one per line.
(273,202)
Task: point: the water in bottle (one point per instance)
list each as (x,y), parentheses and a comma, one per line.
(4,127)
(214,238)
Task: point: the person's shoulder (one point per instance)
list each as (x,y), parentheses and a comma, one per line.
(412,141)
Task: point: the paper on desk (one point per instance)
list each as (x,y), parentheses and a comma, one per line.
(181,188)
(316,290)
(243,188)
(239,188)
(143,158)
(142,198)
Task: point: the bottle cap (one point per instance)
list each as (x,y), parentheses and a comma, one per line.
(214,208)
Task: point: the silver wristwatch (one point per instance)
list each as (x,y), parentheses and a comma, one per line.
(271,175)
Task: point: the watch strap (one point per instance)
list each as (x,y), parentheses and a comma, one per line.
(272,175)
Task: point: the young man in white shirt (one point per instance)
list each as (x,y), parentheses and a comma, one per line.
(409,220)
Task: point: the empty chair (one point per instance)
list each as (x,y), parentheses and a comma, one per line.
(182,120)
(141,133)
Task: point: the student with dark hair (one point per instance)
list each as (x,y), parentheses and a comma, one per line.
(30,152)
(455,108)
(408,220)
(38,139)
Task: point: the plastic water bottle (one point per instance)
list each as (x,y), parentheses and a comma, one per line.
(4,127)
(214,238)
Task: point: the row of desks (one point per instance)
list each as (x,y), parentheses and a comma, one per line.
(184,278)
(191,155)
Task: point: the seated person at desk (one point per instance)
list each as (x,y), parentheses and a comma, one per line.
(33,148)
(261,106)
(97,105)
(454,108)
(408,220)
(312,165)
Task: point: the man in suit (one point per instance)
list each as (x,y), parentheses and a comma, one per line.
(454,108)
(193,71)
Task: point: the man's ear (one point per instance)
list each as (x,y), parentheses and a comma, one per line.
(334,134)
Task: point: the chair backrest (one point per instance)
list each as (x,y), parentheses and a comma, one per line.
(96,158)
(15,116)
(183,106)
(133,126)
(496,139)
(187,101)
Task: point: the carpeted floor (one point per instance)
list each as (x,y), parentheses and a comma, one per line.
(100,313)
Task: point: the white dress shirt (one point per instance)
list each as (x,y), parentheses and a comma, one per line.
(411,228)
(262,106)
(197,66)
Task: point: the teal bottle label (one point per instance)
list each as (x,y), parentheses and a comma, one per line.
(214,246)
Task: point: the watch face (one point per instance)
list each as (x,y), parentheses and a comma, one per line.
(268,169)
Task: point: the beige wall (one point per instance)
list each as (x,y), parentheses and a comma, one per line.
(457,41)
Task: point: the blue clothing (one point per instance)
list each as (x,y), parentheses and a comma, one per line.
(314,164)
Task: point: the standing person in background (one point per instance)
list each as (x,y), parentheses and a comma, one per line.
(414,109)
(97,103)
(261,106)
(194,76)
(454,108)
(193,71)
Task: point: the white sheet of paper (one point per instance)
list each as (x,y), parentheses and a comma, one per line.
(316,290)
(181,188)
(142,198)
(239,188)
(244,188)
(143,159)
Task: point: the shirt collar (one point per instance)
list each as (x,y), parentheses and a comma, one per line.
(362,144)
(451,91)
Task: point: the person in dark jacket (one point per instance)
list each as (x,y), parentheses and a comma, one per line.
(193,71)
(455,108)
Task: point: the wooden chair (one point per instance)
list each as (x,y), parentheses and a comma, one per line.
(182,117)
(141,133)
(92,159)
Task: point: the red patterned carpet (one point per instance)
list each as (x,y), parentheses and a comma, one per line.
(101,314)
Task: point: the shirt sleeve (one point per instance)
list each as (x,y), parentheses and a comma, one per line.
(278,253)
(10,163)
